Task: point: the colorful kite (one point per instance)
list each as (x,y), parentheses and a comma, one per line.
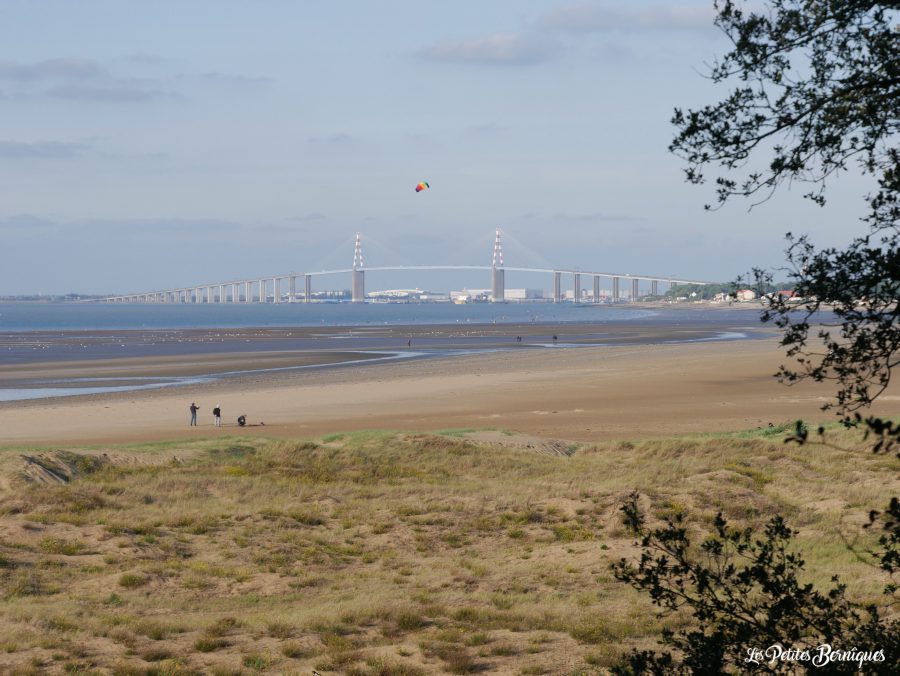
(422,186)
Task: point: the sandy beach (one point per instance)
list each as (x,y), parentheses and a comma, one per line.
(580,394)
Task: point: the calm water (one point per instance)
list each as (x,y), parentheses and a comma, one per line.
(83,317)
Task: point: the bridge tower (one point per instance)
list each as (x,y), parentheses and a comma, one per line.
(498,280)
(358,281)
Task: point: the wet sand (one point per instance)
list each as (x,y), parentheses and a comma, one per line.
(35,347)
(625,391)
(181,366)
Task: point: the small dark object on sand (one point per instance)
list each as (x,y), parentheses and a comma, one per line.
(242,420)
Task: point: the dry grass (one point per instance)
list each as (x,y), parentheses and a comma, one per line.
(381,553)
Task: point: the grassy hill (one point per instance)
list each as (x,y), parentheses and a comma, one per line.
(384,553)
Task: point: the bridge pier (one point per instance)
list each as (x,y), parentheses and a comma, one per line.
(557,287)
(596,288)
(498,285)
(262,291)
(358,286)
(634,290)
(576,287)
(615,290)
(357,276)
(307,283)
(276,288)
(654,287)
(292,292)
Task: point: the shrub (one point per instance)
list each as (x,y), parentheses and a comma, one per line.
(132,580)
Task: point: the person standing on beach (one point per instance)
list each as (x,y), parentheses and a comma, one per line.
(194,409)
(217,415)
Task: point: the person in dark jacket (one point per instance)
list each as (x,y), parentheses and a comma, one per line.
(194,409)
(217,416)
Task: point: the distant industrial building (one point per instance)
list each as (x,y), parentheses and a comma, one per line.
(408,295)
(524,294)
(471,296)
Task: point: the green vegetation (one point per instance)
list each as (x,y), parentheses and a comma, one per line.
(386,553)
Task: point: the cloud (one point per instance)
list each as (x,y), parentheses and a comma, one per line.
(51,69)
(19,150)
(112,92)
(595,217)
(340,139)
(488,129)
(311,217)
(498,49)
(126,228)
(75,79)
(146,59)
(151,227)
(544,39)
(215,77)
(25,223)
(594,18)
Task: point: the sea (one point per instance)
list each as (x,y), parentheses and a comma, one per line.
(18,317)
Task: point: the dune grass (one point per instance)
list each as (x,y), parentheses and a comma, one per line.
(388,553)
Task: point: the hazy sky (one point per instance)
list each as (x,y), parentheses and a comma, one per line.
(153,144)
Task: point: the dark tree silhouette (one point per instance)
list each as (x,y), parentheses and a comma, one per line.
(816,90)
(743,592)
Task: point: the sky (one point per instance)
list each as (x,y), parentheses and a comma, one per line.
(148,145)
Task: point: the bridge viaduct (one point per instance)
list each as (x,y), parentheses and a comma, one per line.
(257,289)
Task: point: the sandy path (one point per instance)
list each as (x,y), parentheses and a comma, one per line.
(583,394)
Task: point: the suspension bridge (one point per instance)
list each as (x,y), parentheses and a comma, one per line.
(284,287)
